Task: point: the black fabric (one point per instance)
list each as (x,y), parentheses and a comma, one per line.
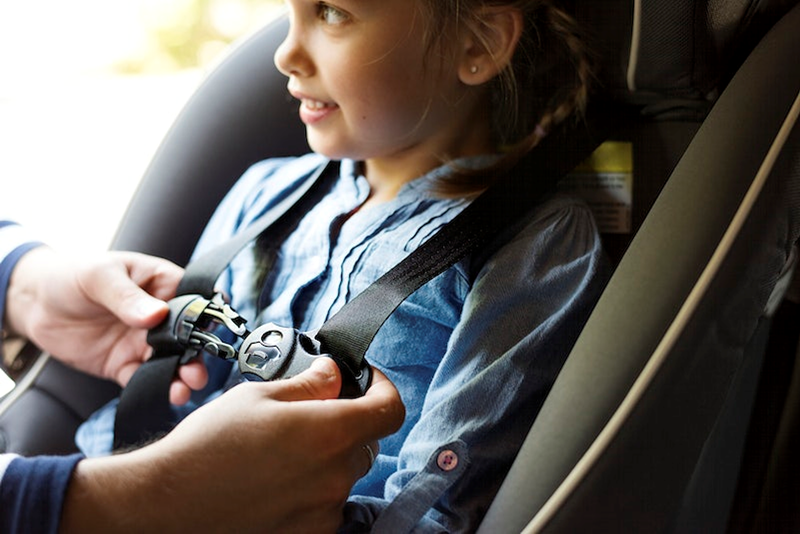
(755,493)
(144,410)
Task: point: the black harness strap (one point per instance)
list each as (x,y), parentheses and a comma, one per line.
(144,411)
(349,332)
(202,274)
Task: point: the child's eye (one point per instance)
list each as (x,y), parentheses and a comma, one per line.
(330,15)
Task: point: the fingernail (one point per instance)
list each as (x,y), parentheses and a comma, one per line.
(145,308)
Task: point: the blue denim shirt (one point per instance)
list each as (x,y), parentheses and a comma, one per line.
(473,353)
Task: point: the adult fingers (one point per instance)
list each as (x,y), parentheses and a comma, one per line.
(321,381)
(356,421)
(110,285)
(179,393)
(158,276)
(375,415)
(383,400)
(192,376)
(124,283)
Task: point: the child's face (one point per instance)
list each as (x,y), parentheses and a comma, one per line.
(367,88)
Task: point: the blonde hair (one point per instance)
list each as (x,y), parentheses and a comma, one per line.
(547,82)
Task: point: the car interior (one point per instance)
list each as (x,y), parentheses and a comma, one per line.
(678,409)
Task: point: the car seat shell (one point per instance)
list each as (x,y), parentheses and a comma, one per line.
(229,124)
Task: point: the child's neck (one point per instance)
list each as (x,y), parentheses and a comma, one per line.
(387,176)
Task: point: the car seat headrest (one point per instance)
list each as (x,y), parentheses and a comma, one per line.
(676,55)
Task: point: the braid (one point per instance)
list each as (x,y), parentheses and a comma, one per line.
(553,68)
(547,82)
(576,97)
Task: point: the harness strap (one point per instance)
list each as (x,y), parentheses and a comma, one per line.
(144,411)
(350,331)
(202,273)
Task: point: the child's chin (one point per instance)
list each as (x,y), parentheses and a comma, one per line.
(328,150)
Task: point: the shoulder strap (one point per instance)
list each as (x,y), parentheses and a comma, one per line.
(144,410)
(202,273)
(350,331)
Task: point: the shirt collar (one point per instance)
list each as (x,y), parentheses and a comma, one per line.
(351,170)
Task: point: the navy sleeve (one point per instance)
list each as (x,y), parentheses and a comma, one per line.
(32,493)
(12,248)
(6,266)
(32,490)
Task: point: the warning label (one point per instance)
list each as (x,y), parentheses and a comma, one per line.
(605,182)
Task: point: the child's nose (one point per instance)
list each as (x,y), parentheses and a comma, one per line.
(291,57)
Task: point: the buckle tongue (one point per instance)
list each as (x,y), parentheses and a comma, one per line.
(192,327)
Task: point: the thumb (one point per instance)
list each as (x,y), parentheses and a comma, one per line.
(144,310)
(321,381)
(114,289)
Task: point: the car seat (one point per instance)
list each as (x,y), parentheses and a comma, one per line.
(671,356)
(642,432)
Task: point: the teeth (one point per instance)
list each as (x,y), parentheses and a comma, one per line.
(315,104)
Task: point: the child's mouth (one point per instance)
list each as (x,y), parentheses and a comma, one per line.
(313,111)
(315,105)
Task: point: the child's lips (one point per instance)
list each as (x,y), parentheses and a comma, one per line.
(315,105)
(313,110)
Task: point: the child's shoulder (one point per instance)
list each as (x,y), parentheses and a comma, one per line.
(560,210)
(555,245)
(561,223)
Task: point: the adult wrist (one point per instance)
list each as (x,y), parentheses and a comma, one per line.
(117,493)
(22,296)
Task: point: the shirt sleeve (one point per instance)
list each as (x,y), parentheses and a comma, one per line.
(32,491)
(15,241)
(522,315)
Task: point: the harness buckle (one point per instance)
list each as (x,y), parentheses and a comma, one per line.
(195,325)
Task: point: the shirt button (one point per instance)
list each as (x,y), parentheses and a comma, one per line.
(447,460)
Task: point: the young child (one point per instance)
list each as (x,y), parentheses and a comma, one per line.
(424,102)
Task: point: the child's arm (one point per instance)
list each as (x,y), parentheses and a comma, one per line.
(519,321)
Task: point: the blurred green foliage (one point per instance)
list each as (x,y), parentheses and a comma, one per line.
(192,33)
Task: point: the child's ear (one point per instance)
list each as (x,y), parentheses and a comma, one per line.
(487,48)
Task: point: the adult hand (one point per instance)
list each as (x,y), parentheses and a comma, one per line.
(92,313)
(264,457)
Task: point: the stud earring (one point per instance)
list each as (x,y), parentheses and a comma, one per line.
(473,69)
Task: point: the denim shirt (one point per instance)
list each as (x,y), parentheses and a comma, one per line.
(473,352)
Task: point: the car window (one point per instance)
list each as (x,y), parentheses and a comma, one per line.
(88,88)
